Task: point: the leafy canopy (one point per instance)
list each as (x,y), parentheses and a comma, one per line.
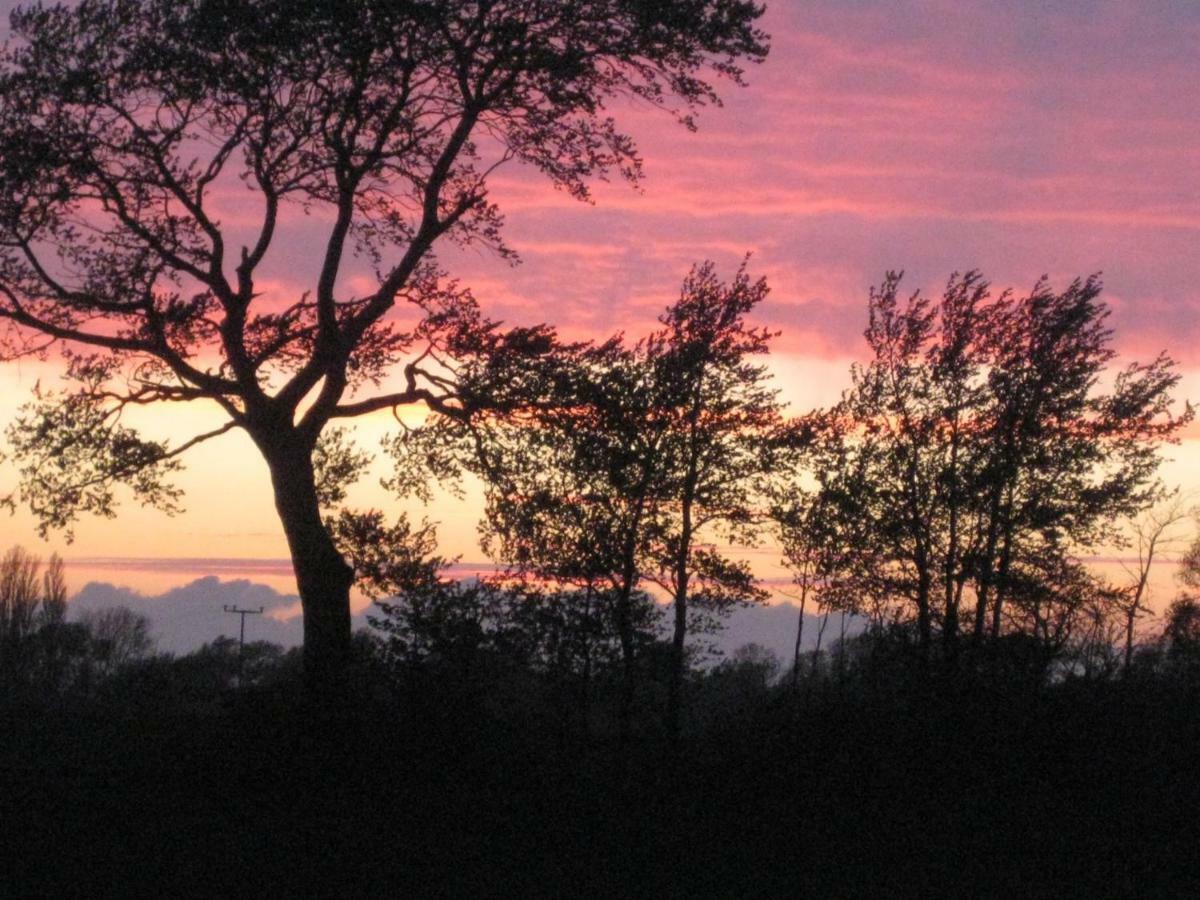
(985,443)
(154,154)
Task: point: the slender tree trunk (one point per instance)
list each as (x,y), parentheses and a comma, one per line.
(799,640)
(628,663)
(924,617)
(841,651)
(1146,560)
(998,606)
(953,648)
(950,572)
(678,648)
(998,513)
(679,635)
(323,577)
(628,668)
(624,612)
(986,573)
(950,626)
(1130,621)
(585,688)
(680,578)
(625,627)
(816,662)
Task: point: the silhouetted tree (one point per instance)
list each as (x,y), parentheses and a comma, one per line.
(1189,565)
(54,592)
(483,633)
(118,636)
(41,653)
(820,550)
(425,615)
(1181,637)
(122,121)
(641,458)
(1065,617)
(1065,463)
(20,593)
(893,461)
(719,451)
(755,665)
(20,597)
(32,610)
(738,685)
(572,490)
(1152,533)
(60,645)
(975,453)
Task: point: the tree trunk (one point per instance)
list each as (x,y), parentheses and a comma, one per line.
(678,649)
(999,513)
(681,577)
(816,659)
(950,572)
(924,616)
(986,574)
(796,652)
(624,614)
(323,577)
(1002,578)
(585,687)
(1146,561)
(1130,622)
(628,662)
(950,628)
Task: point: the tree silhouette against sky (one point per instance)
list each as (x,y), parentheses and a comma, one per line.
(985,445)
(123,121)
(648,455)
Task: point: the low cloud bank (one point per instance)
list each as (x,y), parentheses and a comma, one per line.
(184,618)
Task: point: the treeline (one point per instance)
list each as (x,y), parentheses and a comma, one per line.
(43,655)
(486,751)
(489,748)
(545,659)
(943,505)
(947,501)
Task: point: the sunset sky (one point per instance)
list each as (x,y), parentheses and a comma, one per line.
(1022,138)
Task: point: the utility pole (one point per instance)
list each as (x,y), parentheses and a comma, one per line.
(242,633)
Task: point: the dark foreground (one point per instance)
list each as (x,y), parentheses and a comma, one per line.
(1075,792)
